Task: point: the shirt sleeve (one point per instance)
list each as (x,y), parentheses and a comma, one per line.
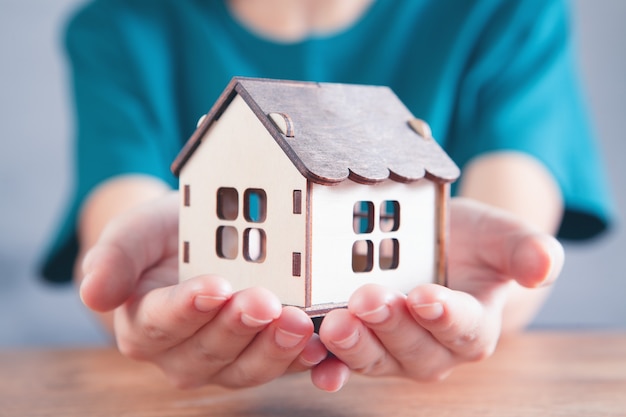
(521,93)
(124,122)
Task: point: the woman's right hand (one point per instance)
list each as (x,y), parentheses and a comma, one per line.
(197,331)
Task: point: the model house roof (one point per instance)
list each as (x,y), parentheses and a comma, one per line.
(332,132)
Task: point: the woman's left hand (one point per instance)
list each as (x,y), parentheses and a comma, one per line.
(425,334)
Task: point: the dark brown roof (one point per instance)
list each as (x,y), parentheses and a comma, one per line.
(340,131)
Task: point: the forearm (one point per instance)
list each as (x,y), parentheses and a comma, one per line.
(522,186)
(108,200)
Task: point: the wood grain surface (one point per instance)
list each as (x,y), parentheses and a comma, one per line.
(534,374)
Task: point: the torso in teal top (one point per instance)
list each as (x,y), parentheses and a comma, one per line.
(487,75)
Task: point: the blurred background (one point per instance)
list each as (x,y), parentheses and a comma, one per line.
(35,163)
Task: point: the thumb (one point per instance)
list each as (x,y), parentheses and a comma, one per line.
(536,260)
(108,278)
(128,246)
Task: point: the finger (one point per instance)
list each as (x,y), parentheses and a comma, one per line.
(419,355)
(536,260)
(494,245)
(456,320)
(271,352)
(128,246)
(165,317)
(354,344)
(330,375)
(314,352)
(220,342)
(101,288)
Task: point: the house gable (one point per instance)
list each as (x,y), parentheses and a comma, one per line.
(237,155)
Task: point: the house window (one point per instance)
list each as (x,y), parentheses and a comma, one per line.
(254,245)
(254,211)
(389,216)
(362,256)
(363,217)
(227,203)
(388,257)
(388,254)
(227,242)
(255,205)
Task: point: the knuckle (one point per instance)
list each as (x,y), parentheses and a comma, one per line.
(135,344)
(185,374)
(155,334)
(433,374)
(480,352)
(130,349)
(150,326)
(438,375)
(246,378)
(466,339)
(183,381)
(210,358)
(473,346)
(374,368)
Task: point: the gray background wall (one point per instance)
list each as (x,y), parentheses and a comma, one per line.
(35,128)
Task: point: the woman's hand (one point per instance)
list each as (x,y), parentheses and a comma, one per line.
(198,331)
(425,334)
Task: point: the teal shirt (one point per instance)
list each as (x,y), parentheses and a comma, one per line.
(487,76)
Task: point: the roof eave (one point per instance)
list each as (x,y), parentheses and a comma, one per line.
(212,116)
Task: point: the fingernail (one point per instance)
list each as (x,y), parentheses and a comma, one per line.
(309,362)
(431,311)
(87,261)
(250,321)
(206,303)
(344,380)
(349,341)
(82,283)
(378,315)
(558,258)
(287,339)
(341,382)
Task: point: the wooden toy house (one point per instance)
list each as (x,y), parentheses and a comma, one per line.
(312,190)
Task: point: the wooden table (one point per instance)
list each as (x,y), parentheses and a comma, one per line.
(535,374)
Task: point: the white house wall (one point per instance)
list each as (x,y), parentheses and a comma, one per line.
(333,236)
(238,152)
